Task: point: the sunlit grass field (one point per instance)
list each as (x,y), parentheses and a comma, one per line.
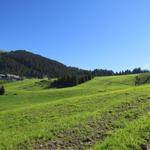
(106,113)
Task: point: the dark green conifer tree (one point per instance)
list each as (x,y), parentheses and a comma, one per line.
(2,90)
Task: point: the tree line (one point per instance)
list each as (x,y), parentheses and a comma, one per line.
(27,64)
(71,80)
(75,78)
(104,72)
(30,65)
(134,71)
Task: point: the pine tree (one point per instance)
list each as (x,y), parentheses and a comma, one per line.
(2,90)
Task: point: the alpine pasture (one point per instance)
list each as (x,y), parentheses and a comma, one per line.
(105,113)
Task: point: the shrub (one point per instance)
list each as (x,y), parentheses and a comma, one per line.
(2,90)
(142,79)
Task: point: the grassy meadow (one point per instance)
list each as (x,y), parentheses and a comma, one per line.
(106,113)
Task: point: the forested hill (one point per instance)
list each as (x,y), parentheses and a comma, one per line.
(27,64)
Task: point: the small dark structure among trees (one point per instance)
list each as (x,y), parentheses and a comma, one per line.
(2,90)
(10,77)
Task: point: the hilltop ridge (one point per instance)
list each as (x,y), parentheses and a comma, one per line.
(25,63)
(28,64)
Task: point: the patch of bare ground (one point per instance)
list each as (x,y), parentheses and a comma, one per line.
(146,145)
(95,130)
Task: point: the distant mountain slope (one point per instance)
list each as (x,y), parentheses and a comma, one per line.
(27,64)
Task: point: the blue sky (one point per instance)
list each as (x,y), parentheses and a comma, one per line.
(112,34)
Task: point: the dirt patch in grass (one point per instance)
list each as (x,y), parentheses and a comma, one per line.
(146,145)
(95,130)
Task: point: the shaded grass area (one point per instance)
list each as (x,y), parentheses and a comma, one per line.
(32,117)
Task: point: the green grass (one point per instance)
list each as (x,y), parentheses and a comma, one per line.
(104,113)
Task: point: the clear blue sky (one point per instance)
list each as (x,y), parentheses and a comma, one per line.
(112,34)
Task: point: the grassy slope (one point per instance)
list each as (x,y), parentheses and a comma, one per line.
(110,111)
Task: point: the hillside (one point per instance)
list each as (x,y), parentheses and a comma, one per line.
(104,113)
(27,64)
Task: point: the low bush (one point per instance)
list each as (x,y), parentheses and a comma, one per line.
(142,79)
(2,90)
